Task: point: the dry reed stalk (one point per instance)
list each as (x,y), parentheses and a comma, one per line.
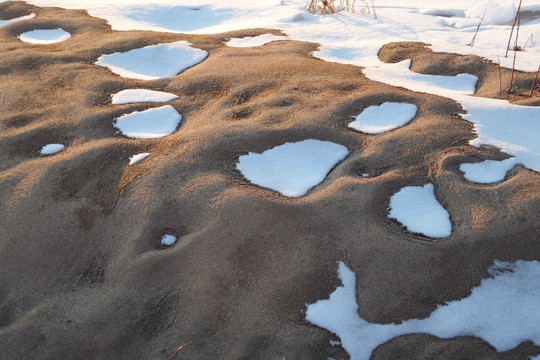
(511,32)
(94,347)
(477,28)
(513,71)
(500,76)
(180,348)
(534,82)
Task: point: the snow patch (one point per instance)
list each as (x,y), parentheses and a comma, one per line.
(50,149)
(292,168)
(251,41)
(487,171)
(5,22)
(382,118)
(168,240)
(417,208)
(154,61)
(149,124)
(46,36)
(503,311)
(141,95)
(138,158)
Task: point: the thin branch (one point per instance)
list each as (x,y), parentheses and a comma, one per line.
(478,28)
(513,70)
(534,82)
(94,347)
(511,32)
(500,76)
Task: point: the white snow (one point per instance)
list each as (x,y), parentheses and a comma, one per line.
(149,124)
(138,158)
(154,61)
(292,168)
(45,36)
(50,149)
(382,118)
(251,41)
(141,95)
(487,171)
(168,240)
(417,208)
(503,310)
(5,22)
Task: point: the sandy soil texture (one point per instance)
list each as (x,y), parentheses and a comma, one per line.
(80,248)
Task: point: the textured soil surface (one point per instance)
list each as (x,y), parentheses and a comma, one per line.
(80,249)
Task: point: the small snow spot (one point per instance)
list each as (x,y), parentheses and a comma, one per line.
(417,208)
(50,149)
(138,158)
(487,171)
(168,240)
(149,124)
(254,41)
(141,95)
(292,168)
(45,36)
(5,22)
(153,62)
(388,116)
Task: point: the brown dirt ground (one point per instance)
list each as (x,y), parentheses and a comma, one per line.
(79,247)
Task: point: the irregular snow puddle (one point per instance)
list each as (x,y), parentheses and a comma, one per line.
(503,311)
(50,149)
(512,128)
(487,171)
(399,74)
(417,208)
(168,240)
(5,22)
(154,61)
(46,36)
(138,158)
(292,168)
(388,116)
(251,41)
(149,124)
(129,96)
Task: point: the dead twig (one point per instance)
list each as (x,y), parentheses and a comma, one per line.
(513,71)
(477,28)
(180,348)
(513,25)
(500,76)
(94,347)
(534,82)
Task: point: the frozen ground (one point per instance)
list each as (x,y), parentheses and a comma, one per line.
(503,311)
(292,168)
(153,62)
(47,36)
(149,124)
(417,208)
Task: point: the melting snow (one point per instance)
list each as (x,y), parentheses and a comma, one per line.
(487,171)
(255,40)
(168,240)
(292,168)
(138,158)
(141,95)
(153,62)
(417,208)
(51,149)
(45,36)
(149,124)
(503,311)
(388,116)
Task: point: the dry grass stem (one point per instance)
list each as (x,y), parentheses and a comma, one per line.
(534,82)
(512,31)
(478,28)
(500,76)
(94,346)
(330,7)
(180,348)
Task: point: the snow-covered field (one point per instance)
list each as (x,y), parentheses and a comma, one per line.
(503,310)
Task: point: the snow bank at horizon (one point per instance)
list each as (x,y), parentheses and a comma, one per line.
(503,311)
